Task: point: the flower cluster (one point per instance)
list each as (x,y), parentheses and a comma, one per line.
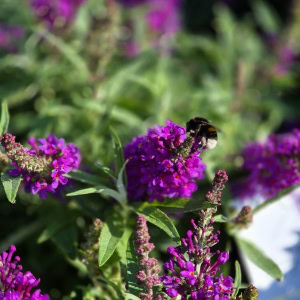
(44,165)
(273,166)
(55,13)
(9,35)
(190,273)
(16,285)
(155,169)
(147,276)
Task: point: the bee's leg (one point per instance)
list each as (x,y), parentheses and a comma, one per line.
(203,142)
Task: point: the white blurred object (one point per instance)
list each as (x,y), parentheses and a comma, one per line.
(276,230)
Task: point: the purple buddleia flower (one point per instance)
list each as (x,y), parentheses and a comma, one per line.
(190,272)
(272,166)
(16,285)
(154,168)
(44,165)
(163,16)
(9,36)
(147,276)
(56,13)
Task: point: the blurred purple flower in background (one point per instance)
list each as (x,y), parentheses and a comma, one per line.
(9,36)
(44,165)
(16,285)
(154,170)
(163,16)
(286,57)
(272,166)
(131,3)
(56,13)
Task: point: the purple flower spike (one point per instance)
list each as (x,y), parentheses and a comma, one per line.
(16,285)
(273,166)
(189,273)
(154,169)
(147,276)
(44,165)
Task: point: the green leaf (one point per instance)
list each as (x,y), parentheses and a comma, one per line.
(220,219)
(51,230)
(100,190)
(121,186)
(65,240)
(170,203)
(21,234)
(280,195)
(161,220)
(68,51)
(107,171)
(260,259)
(238,278)
(118,152)
(131,297)
(192,205)
(11,186)
(4,117)
(85,177)
(132,268)
(110,237)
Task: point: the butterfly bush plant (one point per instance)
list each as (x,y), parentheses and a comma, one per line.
(111,195)
(161,169)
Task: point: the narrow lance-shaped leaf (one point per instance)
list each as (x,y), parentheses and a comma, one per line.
(100,190)
(238,278)
(121,185)
(11,186)
(161,220)
(85,177)
(118,153)
(132,269)
(260,259)
(280,195)
(110,237)
(4,122)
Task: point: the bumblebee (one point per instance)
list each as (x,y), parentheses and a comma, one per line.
(203,130)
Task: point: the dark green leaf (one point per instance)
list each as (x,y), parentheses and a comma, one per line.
(281,194)
(85,177)
(65,240)
(110,237)
(4,122)
(118,152)
(170,203)
(161,220)
(260,259)
(132,268)
(51,230)
(11,186)
(238,278)
(107,171)
(121,186)
(20,234)
(192,205)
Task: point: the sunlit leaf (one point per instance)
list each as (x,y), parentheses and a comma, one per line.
(260,259)
(11,186)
